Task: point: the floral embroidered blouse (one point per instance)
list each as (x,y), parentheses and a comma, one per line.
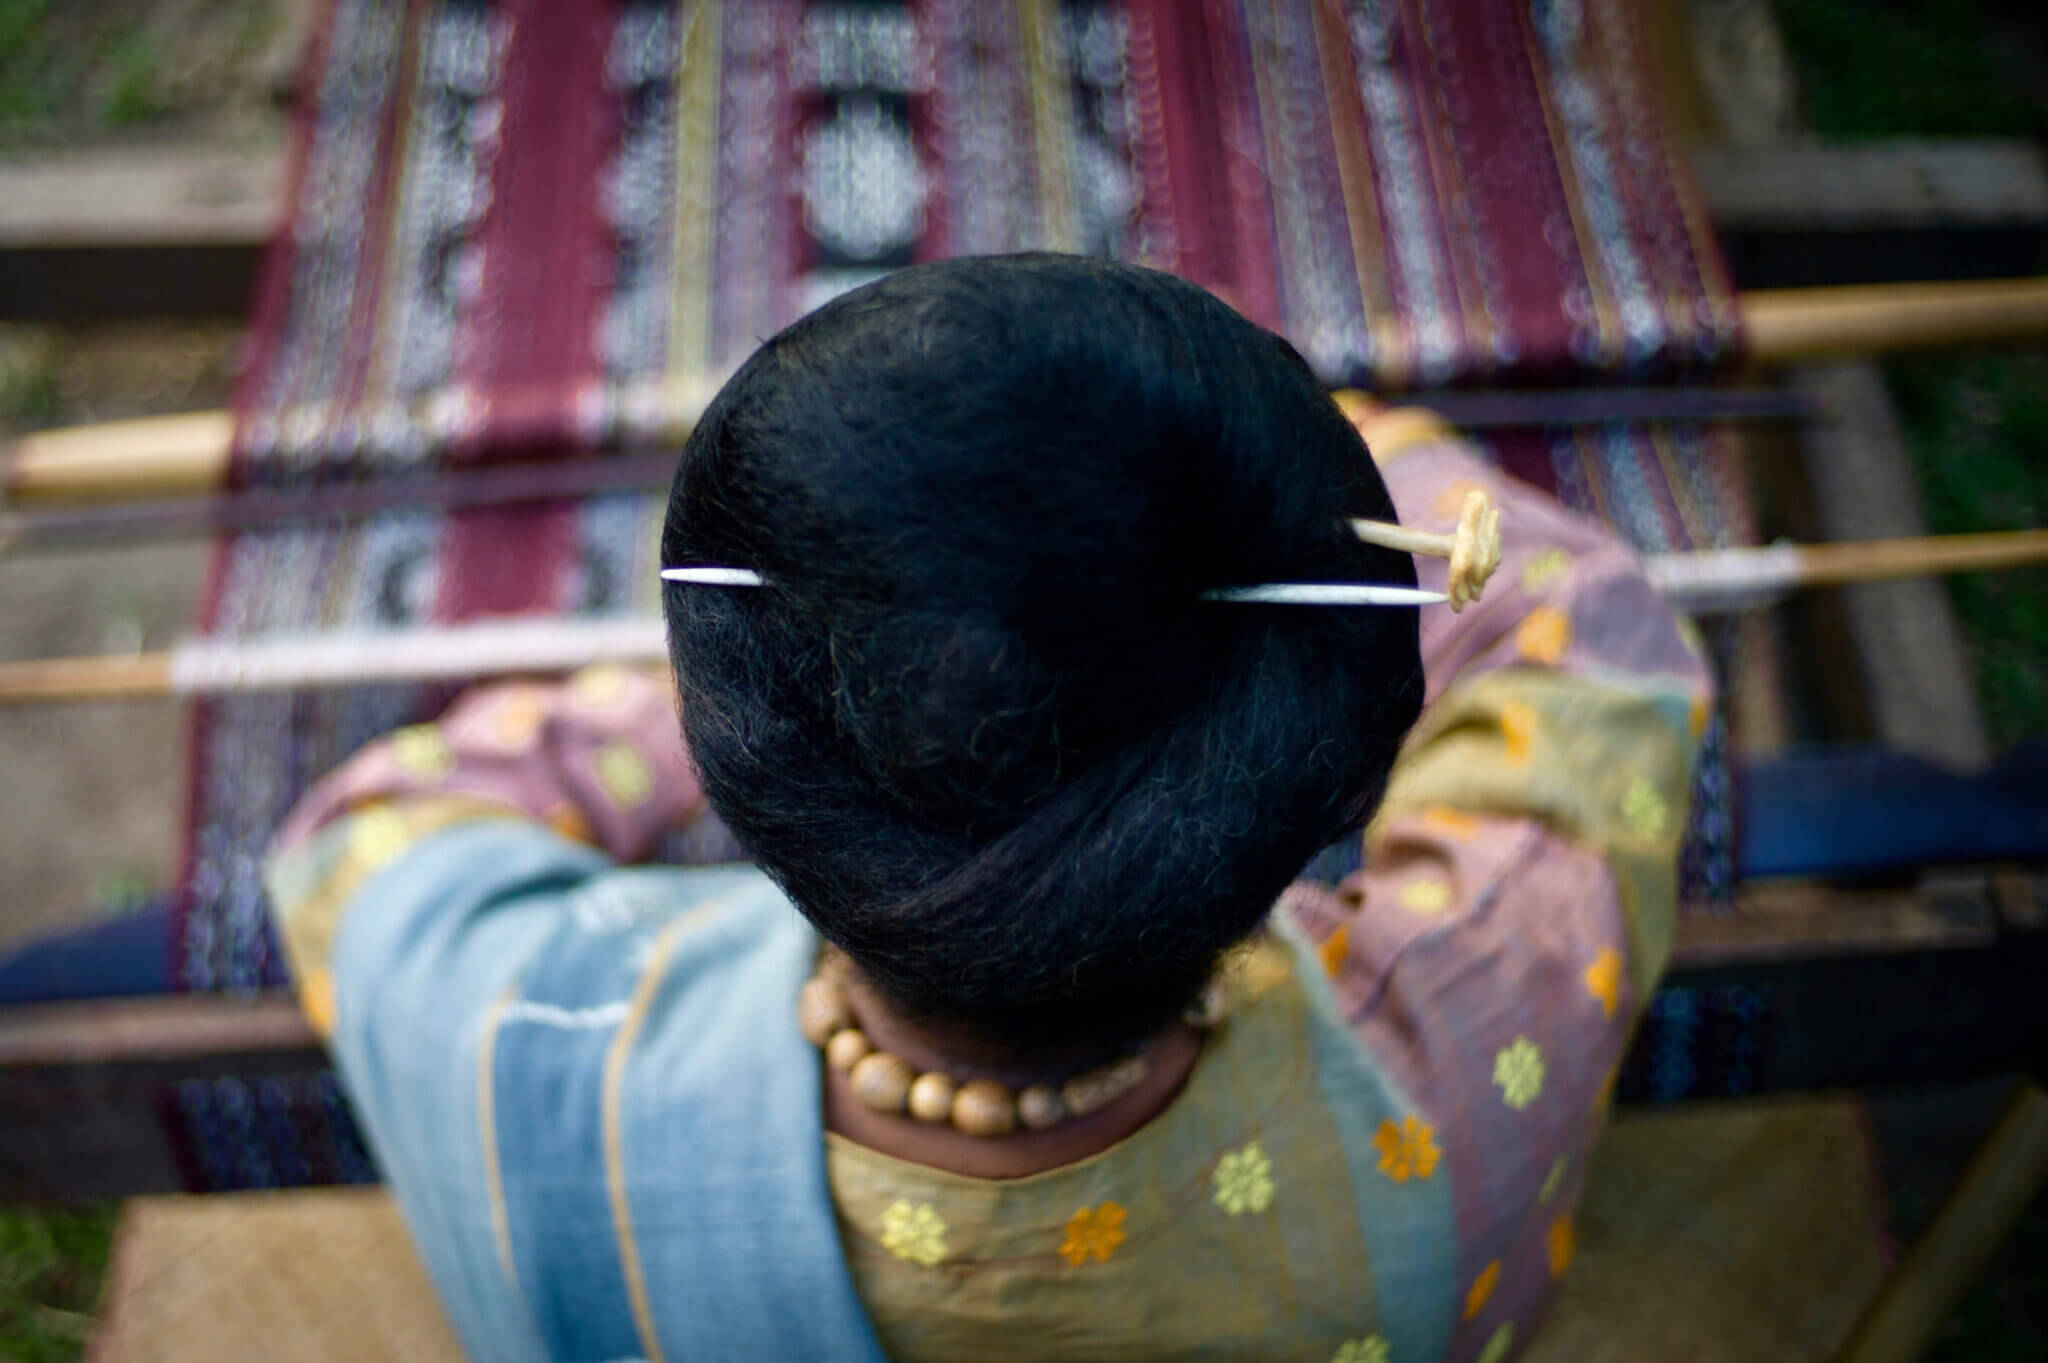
(1374,1161)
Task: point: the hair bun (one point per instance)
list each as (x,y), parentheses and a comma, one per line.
(982,726)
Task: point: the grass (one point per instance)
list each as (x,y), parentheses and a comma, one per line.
(1887,68)
(133,92)
(1978,429)
(52,1263)
(87,69)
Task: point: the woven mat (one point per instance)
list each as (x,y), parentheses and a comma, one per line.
(1729,1233)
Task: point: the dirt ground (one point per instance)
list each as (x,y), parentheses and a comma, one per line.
(90,795)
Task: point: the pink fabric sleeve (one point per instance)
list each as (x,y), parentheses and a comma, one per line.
(598,757)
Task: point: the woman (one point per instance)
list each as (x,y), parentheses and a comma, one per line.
(1086,1092)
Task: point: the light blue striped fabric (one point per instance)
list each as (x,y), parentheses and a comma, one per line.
(508,1002)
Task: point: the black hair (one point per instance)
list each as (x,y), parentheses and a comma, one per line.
(978,722)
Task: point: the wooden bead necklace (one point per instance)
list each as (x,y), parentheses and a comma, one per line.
(979,1107)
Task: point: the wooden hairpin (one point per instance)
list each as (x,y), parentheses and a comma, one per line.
(1473,548)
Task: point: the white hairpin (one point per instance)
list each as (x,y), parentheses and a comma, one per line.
(1326,594)
(1269,594)
(713,577)
(1474,552)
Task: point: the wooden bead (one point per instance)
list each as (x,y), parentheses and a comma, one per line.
(1097,1089)
(821,1010)
(984,1108)
(931,1098)
(881,1081)
(1041,1106)
(846,1048)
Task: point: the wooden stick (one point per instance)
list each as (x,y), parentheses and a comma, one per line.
(163,456)
(2009,1169)
(189,455)
(1716,579)
(1786,326)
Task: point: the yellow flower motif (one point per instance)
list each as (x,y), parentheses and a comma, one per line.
(1544,569)
(1643,809)
(377,836)
(1093,1230)
(1426,896)
(1498,1343)
(1603,980)
(421,751)
(1553,1180)
(625,775)
(915,1232)
(598,687)
(1544,635)
(1407,1150)
(1558,1243)
(1482,1288)
(1335,948)
(1371,1349)
(1244,1181)
(1696,715)
(1518,1069)
(1518,726)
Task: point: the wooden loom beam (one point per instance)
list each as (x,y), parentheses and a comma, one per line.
(1714,579)
(189,454)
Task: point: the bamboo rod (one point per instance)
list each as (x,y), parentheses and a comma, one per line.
(189,455)
(1711,580)
(163,456)
(1996,1190)
(1786,326)
(1877,560)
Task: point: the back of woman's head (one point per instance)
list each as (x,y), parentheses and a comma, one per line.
(978,722)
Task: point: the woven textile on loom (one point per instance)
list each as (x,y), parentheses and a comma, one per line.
(539,230)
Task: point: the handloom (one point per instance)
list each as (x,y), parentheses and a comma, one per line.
(532,232)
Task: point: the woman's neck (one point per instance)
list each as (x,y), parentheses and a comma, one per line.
(1170,1056)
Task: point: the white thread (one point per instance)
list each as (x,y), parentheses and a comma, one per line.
(1723,579)
(713,577)
(1326,594)
(450,653)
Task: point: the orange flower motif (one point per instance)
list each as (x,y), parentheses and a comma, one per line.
(1482,1289)
(1559,1243)
(316,1000)
(1696,718)
(1518,726)
(570,823)
(1603,979)
(1334,949)
(1093,1230)
(1452,499)
(1450,822)
(519,718)
(1407,1150)
(1544,635)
